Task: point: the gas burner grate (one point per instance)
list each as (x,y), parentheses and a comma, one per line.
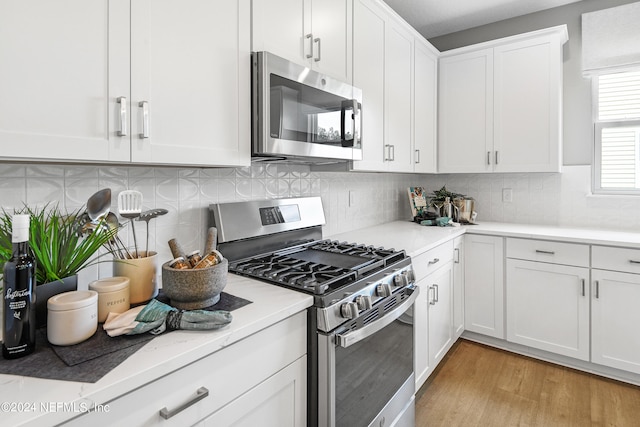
(389,256)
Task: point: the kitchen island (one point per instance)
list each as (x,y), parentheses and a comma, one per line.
(40,402)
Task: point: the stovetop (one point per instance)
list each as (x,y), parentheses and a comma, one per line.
(322,267)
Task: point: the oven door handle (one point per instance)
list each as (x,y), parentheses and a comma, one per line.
(348,339)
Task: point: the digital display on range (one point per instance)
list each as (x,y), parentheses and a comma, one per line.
(279,214)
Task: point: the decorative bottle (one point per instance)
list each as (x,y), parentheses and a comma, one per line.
(18,320)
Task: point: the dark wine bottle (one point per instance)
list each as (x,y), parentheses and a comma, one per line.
(19,317)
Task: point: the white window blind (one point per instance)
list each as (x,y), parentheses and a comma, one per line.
(617,132)
(611,39)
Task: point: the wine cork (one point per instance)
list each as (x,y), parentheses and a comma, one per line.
(212,240)
(176,249)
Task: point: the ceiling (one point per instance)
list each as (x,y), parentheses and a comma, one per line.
(433,18)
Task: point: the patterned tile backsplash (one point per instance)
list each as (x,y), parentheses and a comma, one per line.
(554,199)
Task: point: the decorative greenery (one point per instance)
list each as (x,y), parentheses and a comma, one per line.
(441,195)
(56,239)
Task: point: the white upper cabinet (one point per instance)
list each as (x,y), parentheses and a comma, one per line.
(156,82)
(500,106)
(190,71)
(383,67)
(425,105)
(62,72)
(314,33)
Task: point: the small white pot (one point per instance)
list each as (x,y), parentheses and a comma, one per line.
(72,317)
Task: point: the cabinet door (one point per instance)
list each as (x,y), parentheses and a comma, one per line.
(368,75)
(614,320)
(278,401)
(528,99)
(331,26)
(484,285)
(398,96)
(548,307)
(424,107)
(440,314)
(465,123)
(278,26)
(421,333)
(191,70)
(458,286)
(63,69)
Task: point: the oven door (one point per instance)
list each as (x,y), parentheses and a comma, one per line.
(365,374)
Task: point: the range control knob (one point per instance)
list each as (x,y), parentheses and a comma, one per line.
(349,310)
(411,275)
(363,302)
(401,280)
(383,290)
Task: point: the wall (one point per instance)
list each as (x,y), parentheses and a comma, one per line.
(578,128)
(187,193)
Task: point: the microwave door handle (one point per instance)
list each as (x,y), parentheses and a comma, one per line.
(349,104)
(348,339)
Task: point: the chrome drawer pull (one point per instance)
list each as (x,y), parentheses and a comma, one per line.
(538,251)
(201,393)
(434,261)
(633,261)
(583,293)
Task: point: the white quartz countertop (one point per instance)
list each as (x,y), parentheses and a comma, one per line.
(39,402)
(416,239)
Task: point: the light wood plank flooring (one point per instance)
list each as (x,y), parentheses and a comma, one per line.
(481,386)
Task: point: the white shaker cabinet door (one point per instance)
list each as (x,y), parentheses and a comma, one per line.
(440,293)
(425,104)
(190,82)
(278,26)
(465,123)
(484,285)
(64,65)
(528,103)
(368,75)
(548,307)
(332,29)
(615,317)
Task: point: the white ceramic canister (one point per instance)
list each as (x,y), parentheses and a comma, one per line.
(72,317)
(113,295)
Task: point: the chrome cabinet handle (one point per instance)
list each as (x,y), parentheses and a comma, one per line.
(434,261)
(317,58)
(145,119)
(597,289)
(633,261)
(122,100)
(433,300)
(456,260)
(417,156)
(488,157)
(538,251)
(583,292)
(310,37)
(201,393)
(392,152)
(387,153)
(496,157)
(437,292)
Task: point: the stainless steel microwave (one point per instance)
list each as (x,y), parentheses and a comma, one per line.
(300,114)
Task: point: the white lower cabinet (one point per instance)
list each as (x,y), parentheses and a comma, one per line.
(433,310)
(484,285)
(262,377)
(548,307)
(458,286)
(615,317)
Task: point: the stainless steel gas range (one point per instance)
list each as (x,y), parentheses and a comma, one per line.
(360,337)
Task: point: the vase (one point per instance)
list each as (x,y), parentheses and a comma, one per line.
(47,290)
(142,274)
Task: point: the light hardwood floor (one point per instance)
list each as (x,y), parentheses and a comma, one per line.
(481,386)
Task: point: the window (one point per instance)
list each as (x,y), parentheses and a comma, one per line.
(617,133)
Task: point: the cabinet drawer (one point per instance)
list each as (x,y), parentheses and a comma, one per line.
(224,375)
(428,262)
(551,252)
(617,259)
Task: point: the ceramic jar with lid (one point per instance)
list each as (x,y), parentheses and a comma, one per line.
(72,317)
(113,295)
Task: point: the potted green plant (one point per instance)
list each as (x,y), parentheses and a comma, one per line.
(60,247)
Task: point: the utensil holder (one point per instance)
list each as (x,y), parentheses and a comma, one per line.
(142,276)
